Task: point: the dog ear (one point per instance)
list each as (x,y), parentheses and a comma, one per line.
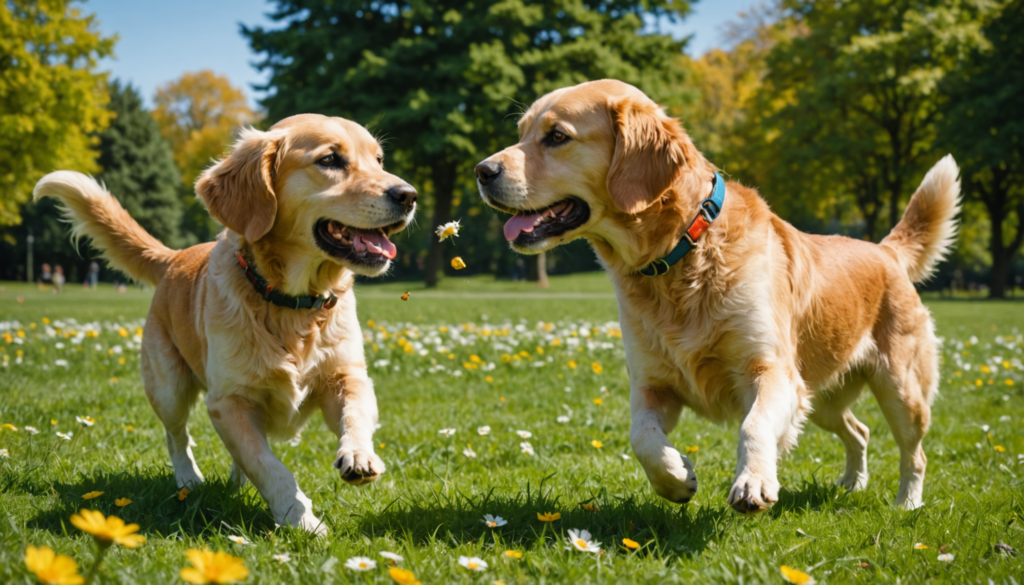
(649,153)
(238,191)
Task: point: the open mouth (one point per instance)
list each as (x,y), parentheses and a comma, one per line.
(527,227)
(369,247)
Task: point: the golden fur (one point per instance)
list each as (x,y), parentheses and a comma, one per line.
(265,368)
(760,322)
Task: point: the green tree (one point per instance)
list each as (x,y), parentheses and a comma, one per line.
(51,99)
(983,125)
(443,77)
(138,166)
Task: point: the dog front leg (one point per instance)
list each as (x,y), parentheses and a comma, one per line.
(350,410)
(240,425)
(773,421)
(655,413)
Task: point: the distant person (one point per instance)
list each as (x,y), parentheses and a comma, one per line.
(58,279)
(94,274)
(46,277)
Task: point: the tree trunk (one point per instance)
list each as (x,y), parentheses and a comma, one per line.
(997,280)
(443,176)
(542,270)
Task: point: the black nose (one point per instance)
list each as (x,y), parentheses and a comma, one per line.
(404,195)
(487,171)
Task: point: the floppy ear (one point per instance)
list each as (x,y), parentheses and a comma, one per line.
(649,153)
(238,191)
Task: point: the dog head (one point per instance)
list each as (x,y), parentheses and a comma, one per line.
(311,190)
(598,160)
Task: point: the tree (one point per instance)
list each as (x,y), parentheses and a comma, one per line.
(444,76)
(984,126)
(51,99)
(138,166)
(199,114)
(860,92)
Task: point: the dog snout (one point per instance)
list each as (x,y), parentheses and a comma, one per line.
(487,171)
(404,195)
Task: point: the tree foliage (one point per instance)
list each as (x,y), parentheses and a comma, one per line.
(51,99)
(440,79)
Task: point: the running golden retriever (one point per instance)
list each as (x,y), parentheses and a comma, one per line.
(758,321)
(264,318)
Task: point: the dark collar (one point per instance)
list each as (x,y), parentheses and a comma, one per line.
(280,299)
(709,210)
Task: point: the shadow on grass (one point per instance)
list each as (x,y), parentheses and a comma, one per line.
(155,505)
(665,530)
(812,496)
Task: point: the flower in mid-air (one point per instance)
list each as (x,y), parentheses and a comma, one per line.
(91,495)
(494,521)
(213,567)
(473,563)
(52,569)
(448,230)
(581,541)
(107,530)
(403,577)
(548,516)
(446,432)
(393,558)
(457,263)
(122,502)
(795,576)
(360,564)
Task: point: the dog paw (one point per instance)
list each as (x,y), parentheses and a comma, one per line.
(358,467)
(677,482)
(189,479)
(752,494)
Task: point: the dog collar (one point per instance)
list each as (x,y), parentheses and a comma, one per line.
(280,299)
(709,210)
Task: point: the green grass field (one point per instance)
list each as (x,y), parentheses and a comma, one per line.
(507,355)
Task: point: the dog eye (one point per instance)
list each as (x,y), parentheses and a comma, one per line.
(331,161)
(555,138)
(380,159)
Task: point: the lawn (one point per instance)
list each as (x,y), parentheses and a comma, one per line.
(514,358)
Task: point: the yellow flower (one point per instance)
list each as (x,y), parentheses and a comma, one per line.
(1000,449)
(920,546)
(448,230)
(590,507)
(692,449)
(52,569)
(598,368)
(402,576)
(1009,382)
(571,364)
(630,544)
(795,576)
(183,493)
(488,379)
(598,401)
(53,422)
(596,444)
(107,530)
(457,263)
(513,554)
(9,427)
(549,516)
(122,502)
(129,428)
(92,495)
(122,332)
(213,567)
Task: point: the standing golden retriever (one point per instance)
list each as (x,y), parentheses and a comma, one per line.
(758,321)
(264,318)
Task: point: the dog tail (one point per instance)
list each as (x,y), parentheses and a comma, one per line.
(923,236)
(96,214)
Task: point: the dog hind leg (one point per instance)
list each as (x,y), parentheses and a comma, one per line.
(832,413)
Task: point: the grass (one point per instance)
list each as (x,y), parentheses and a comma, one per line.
(429,505)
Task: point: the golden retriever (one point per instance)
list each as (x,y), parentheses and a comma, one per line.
(306,204)
(759,321)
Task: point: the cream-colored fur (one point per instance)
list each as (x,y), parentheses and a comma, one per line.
(759,322)
(265,368)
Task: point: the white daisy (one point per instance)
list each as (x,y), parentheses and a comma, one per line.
(625,456)
(563,419)
(282,558)
(580,540)
(484,430)
(393,557)
(239,540)
(473,563)
(5,453)
(946,558)
(524,434)
(85,420)
(448,230)
(66,436)
(494,521)
(446,432)
(32,430)
(526,448)
(360,564)
(469,452)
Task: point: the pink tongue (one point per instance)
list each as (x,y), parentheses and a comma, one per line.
(375,242)
(522,222)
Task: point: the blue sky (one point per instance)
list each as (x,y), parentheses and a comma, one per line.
(161,40)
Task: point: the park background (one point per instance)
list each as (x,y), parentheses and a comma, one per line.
(833,110)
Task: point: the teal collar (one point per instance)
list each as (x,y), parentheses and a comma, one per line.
(709,210)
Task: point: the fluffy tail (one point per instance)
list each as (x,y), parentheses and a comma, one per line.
(96,214)
(927,229)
